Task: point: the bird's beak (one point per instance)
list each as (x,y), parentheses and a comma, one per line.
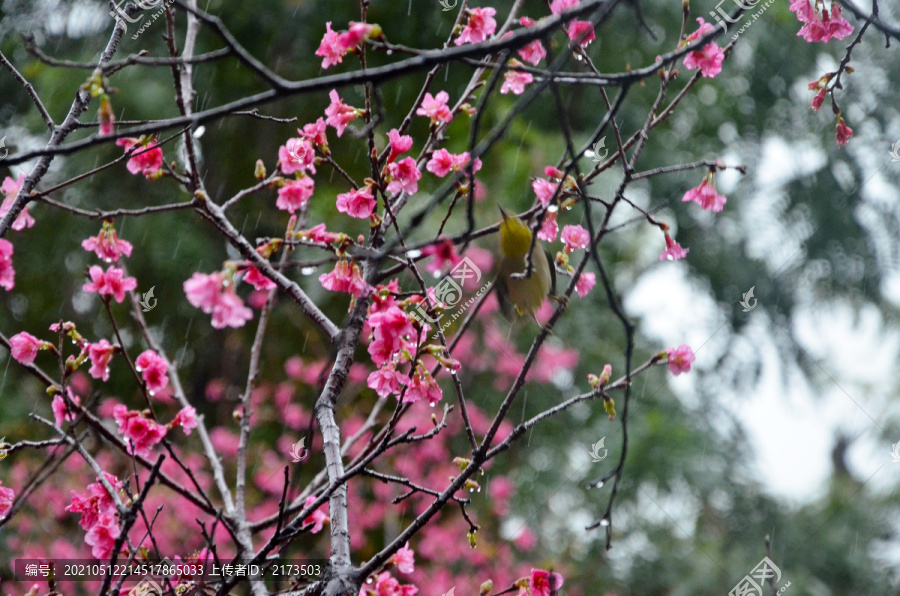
(503,212)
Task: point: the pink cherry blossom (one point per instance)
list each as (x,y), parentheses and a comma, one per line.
(586,281)
(203,290)
(544,189)
(386,381)
(10,189)
(673,251)
(706,196)
(230,311)
(315,133)
(101,354)
(294,195)
(423,386)
(680,359)
(545,583)
(830,24)
(102,536)
(549,227)
(515,80)
(574,237)
(297,155)
(355,35)
(317,518)
(339,114)
(111,282)
(358,202)
(346,277)
(24,347)
(533,53)
(141,433)
(480,26)
(259,281)
(147,162)
(444,253)
(7,496)
(61,412)
(331,50)
(558,6)
(442,162)
(403,175)
(186,418)
(399,144)
(804,10)
(818,100)
(404,559)
(435,107)
(843,132)
(389,327)
(7,272)
(708,60)
(153,369)
(702,30)
(581,32)
(107,245)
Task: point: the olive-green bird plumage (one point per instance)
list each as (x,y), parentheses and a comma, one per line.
(522,296)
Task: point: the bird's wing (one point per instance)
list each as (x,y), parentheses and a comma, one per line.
(551,262)
(502,291)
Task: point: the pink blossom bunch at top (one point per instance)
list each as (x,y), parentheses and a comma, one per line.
(435,107)
(674,251)
(706,196)
(709,58)
(338,114)
(111,282)
(153,369)
(141,434)
(346,277)
(146,162)
(107,245)
(24,347)
(443,162)
(213,293)
(294,194)
(357,202)
(7,272)
(10,188)
(101,354)
(819,23)
(574,237)
(319,517)
(514,81)
(479,27)
(334,46)
(680,359)
(98,515)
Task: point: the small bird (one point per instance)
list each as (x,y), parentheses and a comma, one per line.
(520,295)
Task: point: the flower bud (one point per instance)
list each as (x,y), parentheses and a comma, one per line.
(260,170)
